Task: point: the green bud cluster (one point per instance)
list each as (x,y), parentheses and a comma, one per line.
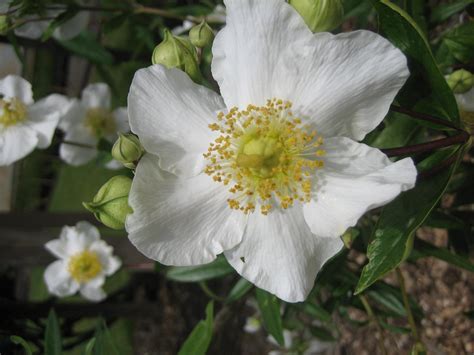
(320,15)
(110,204)
(128,150)
(460,81)
(201,35)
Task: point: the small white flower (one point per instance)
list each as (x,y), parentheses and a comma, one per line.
(25,124)
(84,262)
(270,173)
(89,120)
(9,64)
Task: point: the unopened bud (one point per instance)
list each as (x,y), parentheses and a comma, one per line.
(127,150)
(460,81)
(201,35)
(320,15)
(110,204)
(177,52)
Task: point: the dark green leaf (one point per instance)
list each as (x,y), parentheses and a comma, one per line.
(425,80)
(86,45)
(20,341)
(200,338)
(321,333)
(444,11)
(239,290)
(460,42)
(438,219)
(397,224)
(398,131)
(315,311)
(219,267)
(52,337)
(104,342)
(89,347)
(393,328)
(269,307)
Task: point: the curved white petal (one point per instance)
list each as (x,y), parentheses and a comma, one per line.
(75,239)
(466,101)
(58,280)
(74,114)
(109,262)
(180,221)
(78,154)
(44,116)
(16,142)
(344,83)
(171,115)
(10,64)
(96,95)
(58,247)
(33,29)
(355,179)
(94,294)
(73,27)
(279,254)
(15,86)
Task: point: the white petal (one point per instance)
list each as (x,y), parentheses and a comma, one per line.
(466,100)
(93,294)
(58,280)
(78,238)
(345,83)
(109,262)
(279,254)
(16,142)
(10,64)
(171,115)
(355,179)
(78,155)
(74,114)
(15,86)
(96,95)
(44,116)
(58,247)
(33,29)
(180,221)
(73,27)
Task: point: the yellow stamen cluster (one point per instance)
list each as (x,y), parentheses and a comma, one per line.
(84,266)
(265,155)
(100,122)
(12,112)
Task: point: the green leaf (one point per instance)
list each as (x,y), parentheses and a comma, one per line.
(20,341)
(219,267)
(86,45)
(52,337)
(438,219)
(89,347)
(397,224)
(60,20)
(321,333)
(269,306)
(200,338)
(444,11)
(314,311)
(393,328)
(240,288)
(460,42)
(426,80)
(424,249)
(104,342)
(398,131)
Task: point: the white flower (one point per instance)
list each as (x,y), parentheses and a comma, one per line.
(190,187)
(25,124)
(10,64)
(84,262)
(466,100)
(89,120)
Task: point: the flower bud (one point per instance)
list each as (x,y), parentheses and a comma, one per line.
(177,52)
(127,150)
(460,81)
(320,15)
(201,35)
(110,204)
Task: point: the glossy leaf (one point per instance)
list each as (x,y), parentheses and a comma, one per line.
(219,267)
(200,338)
(52,337)
(269,306)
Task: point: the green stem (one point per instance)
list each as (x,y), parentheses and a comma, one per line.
(373,319)
(210,293)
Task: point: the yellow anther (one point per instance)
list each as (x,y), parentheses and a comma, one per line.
(12,112)
(84,266)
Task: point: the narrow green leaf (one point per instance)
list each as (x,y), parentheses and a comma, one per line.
(426,80)
(86,45)
(397,224)
(444,11)
(269,306)
(460,42)
(393,328)
(240,288)
(438,219)
(20,341)
(89,347)
(52,338)
(104,342)
(315,311)
(200,338)
(217,268)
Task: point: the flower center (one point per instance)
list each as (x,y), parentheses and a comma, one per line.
(84,266)
(100,122)
(12,112)
(265,155)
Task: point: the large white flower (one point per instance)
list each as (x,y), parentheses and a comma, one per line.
(276,176)
(89,120)
(25,124)
(84,262)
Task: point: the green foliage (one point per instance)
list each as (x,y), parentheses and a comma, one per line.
(218,268)
(240,289)
(200,338)
(269,306)
(86,45)
(20,341)
(52,337)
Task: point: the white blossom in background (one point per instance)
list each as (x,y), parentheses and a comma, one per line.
(466,101)
(84,262)
(271,174)
(89,120)
(25,124)
(217,16)
(9,63)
